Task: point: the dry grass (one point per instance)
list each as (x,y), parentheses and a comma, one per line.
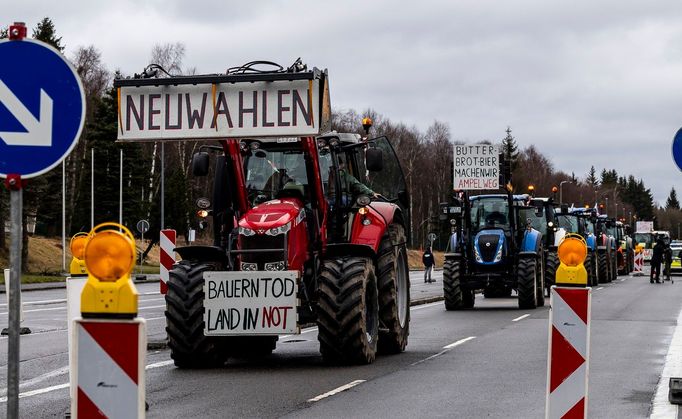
(45,255)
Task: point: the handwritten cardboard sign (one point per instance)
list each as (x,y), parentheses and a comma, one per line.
(476,166)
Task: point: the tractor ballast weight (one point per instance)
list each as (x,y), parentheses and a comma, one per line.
(318,218)
(491,249)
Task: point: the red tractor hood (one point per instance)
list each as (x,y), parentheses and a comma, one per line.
(271,214)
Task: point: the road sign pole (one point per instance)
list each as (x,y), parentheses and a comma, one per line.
(13,182)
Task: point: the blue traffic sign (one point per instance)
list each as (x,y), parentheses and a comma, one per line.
(42,108)
(677,148)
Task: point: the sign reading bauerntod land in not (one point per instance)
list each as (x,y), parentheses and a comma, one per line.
(477,166)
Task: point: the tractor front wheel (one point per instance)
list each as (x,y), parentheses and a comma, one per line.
(526,276)
(602,268)
(550,270)
(452,288)
(189,348)
(394,291)
(348,311)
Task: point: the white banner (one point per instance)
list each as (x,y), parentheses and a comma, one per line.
(186,111)
(477,166)
(644,226)
(250,303)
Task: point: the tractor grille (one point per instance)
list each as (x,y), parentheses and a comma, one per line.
(263,241)
(488,252)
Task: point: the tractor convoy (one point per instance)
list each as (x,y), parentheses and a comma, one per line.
(310,225)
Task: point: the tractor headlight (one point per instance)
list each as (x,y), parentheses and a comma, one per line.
(477,255)
(248,266)
(279,230)
(498,256)
(244,231)
(275,266)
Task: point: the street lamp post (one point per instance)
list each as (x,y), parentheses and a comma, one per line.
(561,190)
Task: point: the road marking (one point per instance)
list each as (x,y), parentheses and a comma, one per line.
(521,317)
(623,279)
(672,368)
(461,341)
(336,391)
(600,288)
(423,306)
(40,378)
(65,385)
(446,349)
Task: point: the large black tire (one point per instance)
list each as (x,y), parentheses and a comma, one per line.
(591,270)
(189,348)
(540,282)
(394,291)
(348,311)
(614,267)
(602,268)
(526,276)
(452,289)
(550,271)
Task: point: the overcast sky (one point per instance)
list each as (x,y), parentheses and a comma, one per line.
(588,82)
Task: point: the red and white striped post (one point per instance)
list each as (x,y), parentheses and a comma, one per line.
(167,257)
(568,352)
(639,263)
(110,368)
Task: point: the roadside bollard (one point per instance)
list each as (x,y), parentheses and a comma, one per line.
(22,330)
(166,258)
(75,282)
(569,333)
(639,261)
(110,340)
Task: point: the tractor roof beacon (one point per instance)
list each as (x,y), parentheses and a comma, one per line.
(309,225)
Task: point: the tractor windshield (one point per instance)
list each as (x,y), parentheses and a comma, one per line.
(490,212)
(646,238)
(537,218)
(275,172)
(568,222)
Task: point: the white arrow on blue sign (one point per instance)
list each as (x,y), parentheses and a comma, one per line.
(42,108)
(677,148)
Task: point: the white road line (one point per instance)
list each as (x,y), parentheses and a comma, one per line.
(459,342)
(336,391)
(600,288)
(66,385)
(446,349)
(672,368)
(423,306)
(623,279)
(521,317)
(40,378)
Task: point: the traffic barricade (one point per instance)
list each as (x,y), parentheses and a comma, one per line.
(569,334)
(166,257)
(110,341)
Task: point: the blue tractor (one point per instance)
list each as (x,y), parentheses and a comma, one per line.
(492,249)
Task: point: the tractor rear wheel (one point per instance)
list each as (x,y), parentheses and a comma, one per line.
(452,289)
(526,277)
(602,268)
(550,270)
(591,270)
(348,311)
(394,291)
(185,319)
(614,267)
(540,284)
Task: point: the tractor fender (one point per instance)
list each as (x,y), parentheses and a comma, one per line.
(532,239)
(591,239)
(369,229)
(345,249)
(202,253)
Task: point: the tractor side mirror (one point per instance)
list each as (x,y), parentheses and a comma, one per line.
(374,159)
(200,164)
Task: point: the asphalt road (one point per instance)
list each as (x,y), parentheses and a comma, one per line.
(486,362)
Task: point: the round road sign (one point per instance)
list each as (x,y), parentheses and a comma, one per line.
(143,226)
(42,108)
(677,148)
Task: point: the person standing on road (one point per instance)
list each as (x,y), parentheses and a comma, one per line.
(429,262)
(656,260)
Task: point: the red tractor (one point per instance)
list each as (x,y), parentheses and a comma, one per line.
(308,229)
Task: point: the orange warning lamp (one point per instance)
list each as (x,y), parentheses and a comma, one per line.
(572,253)
(109,257)
(77,247)
(367,124)
(555,189)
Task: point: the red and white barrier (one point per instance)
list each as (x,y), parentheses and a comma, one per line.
(568,353)
(639,264)
(167,257)
(110,369)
